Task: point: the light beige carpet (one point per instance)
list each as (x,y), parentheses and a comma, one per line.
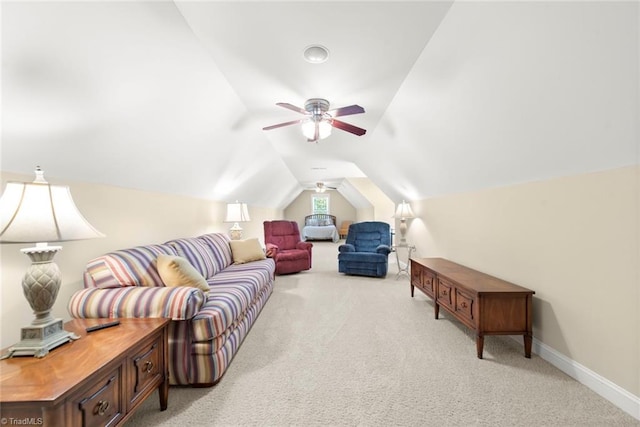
(333,350)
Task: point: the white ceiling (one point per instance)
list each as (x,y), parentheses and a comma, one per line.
(172,96)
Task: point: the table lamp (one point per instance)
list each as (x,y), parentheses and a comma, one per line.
(237,212)
(403,212)
(38,212)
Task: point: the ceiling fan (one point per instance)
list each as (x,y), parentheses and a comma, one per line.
(319,121)
(321,187)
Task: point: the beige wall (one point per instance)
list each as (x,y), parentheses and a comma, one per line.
(338,206)
(574,241)
(366,214)
(128,218)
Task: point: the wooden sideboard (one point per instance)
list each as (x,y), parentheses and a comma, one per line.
(97,380)
(486,304)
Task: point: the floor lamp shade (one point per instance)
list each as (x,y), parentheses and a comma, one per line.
(38,213)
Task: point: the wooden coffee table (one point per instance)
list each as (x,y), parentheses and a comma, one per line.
(99,379)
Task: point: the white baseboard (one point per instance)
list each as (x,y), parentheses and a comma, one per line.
(612,392)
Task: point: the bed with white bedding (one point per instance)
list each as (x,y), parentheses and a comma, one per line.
(320,227)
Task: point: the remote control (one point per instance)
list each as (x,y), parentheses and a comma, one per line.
(103,325)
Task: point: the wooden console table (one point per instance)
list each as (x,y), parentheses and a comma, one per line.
(484,303)
(97,380)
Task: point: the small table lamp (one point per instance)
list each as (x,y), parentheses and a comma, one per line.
(237,212)
(34,213)
(403,212)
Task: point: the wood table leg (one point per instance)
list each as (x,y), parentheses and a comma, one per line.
(527,345)
(163,392)
(412,288)
(479,345)
(436,310)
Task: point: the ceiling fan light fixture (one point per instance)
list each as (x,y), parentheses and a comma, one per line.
(309,129)
(316,54)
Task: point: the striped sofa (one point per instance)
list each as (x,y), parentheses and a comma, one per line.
(207,327)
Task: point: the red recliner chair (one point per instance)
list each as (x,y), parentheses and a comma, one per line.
(282,239)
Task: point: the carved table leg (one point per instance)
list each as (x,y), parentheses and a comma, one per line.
(479,345)
(527,345)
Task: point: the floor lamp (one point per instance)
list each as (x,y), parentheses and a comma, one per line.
(38,212)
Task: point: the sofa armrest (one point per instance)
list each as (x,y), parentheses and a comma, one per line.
(346,247)
(383,249)
(179,303)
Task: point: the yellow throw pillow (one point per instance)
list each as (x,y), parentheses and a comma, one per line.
(246,251)
(177,271)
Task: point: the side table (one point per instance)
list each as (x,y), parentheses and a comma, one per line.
(403,270)
(99,379)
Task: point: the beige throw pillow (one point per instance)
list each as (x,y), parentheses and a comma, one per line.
(246,251)
(177,271)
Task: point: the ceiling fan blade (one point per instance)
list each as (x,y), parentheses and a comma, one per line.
(293,122)
(347,127)
(292,107)
(346,111)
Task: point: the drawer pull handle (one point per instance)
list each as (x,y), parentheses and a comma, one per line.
(444,292)
(101,407)
(463,305)
(148,367)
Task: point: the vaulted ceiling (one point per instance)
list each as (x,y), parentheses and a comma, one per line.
(173,96)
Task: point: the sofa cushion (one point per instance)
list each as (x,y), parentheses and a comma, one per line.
(198,253)
(246,251)
(127,267)
(177,271)
(220,249)
(232,292)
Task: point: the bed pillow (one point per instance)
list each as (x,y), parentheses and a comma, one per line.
(244,251)
(312,221)
(177,271)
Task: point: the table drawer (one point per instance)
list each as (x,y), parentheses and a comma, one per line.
(146,368)
(429,283)
(424,280)
(446,291)
(464,304)
(101,404)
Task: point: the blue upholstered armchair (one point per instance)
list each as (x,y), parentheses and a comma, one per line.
(366,251)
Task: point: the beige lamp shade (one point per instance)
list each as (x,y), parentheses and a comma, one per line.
(40,212)
(404,211)
(237,212)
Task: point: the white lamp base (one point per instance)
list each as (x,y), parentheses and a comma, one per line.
(235,232)
(403,232)
(38,340)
